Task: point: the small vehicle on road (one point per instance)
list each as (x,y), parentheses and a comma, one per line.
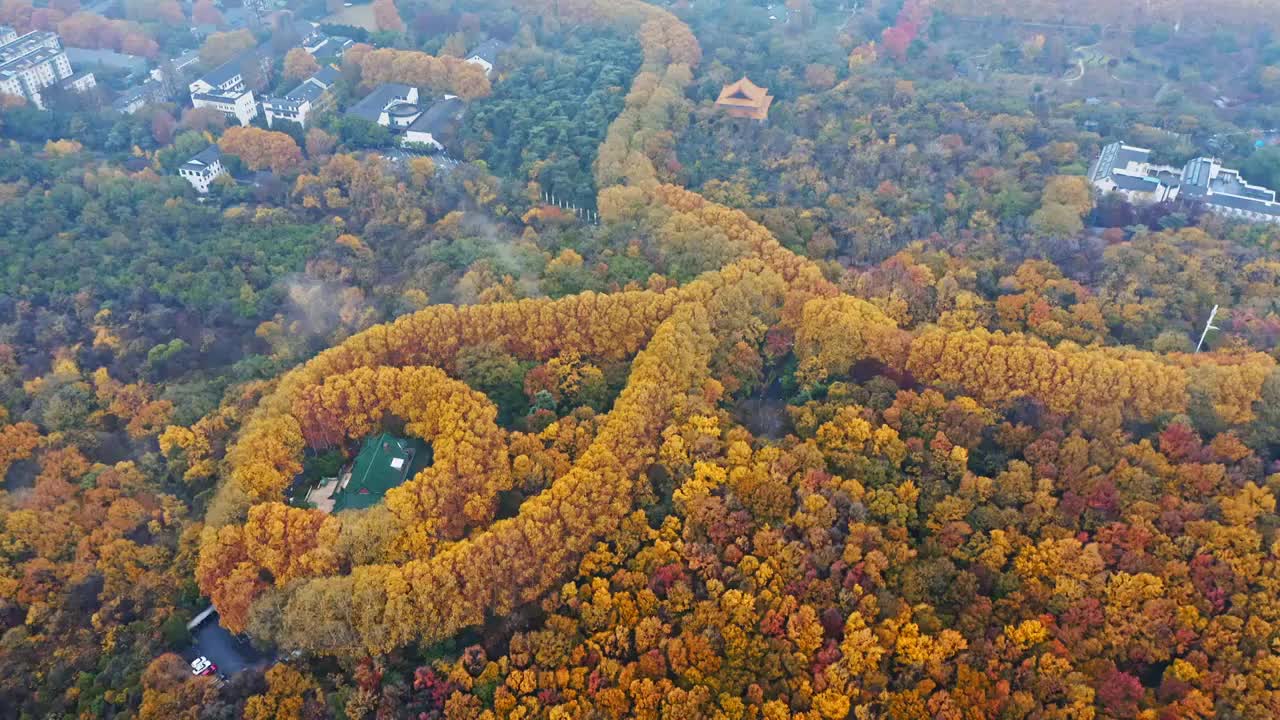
(203,666)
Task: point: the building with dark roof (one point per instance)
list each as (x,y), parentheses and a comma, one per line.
(486,55)
(329,74)
(1226,193)
(438,126)
(1128,170)
(226,76)
(223,88)
(180,64)
(82,81)
(136,98)
(309,97)
(390,105)
(308,91)
(327,46)
(202,169)
(1135,184)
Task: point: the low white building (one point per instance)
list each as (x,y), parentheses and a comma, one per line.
(1225,192)
(80,82)
(1128,171)
(242,107)
(437,125)
(391,105)
(486,55)
(203,169)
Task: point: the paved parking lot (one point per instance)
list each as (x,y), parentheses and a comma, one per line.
(443,161)
(228,652)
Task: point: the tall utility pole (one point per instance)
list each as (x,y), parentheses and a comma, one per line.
(1207,327)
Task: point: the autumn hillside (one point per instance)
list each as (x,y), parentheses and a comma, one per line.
(963,522)
(874,410)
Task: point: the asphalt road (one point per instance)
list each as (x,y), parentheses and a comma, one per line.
(230,654)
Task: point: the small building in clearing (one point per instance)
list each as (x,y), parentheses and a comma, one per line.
(384,462)
(744,99)
(203,169)
(485,56)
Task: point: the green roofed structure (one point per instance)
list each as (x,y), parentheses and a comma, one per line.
(384,462)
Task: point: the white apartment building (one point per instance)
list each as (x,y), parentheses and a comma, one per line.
(32,62)
(224,89)
(299,103)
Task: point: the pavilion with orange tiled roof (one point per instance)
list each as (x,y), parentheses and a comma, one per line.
(745,99)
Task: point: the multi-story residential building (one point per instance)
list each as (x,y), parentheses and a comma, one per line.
(311,97)
(80,82)
(224,89)
(32,62)
(203,169)
(1128,171)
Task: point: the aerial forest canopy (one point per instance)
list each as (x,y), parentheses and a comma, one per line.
(960,532)
(681,465)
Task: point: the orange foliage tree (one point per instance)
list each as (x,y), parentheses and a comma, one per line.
(386,16)
(437,74)
(300,64)
(262,149)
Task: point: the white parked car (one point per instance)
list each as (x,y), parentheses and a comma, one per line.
(203,666)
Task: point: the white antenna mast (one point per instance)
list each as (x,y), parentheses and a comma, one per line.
(1207,327)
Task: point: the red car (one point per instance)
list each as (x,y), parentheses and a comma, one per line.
(203,666)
